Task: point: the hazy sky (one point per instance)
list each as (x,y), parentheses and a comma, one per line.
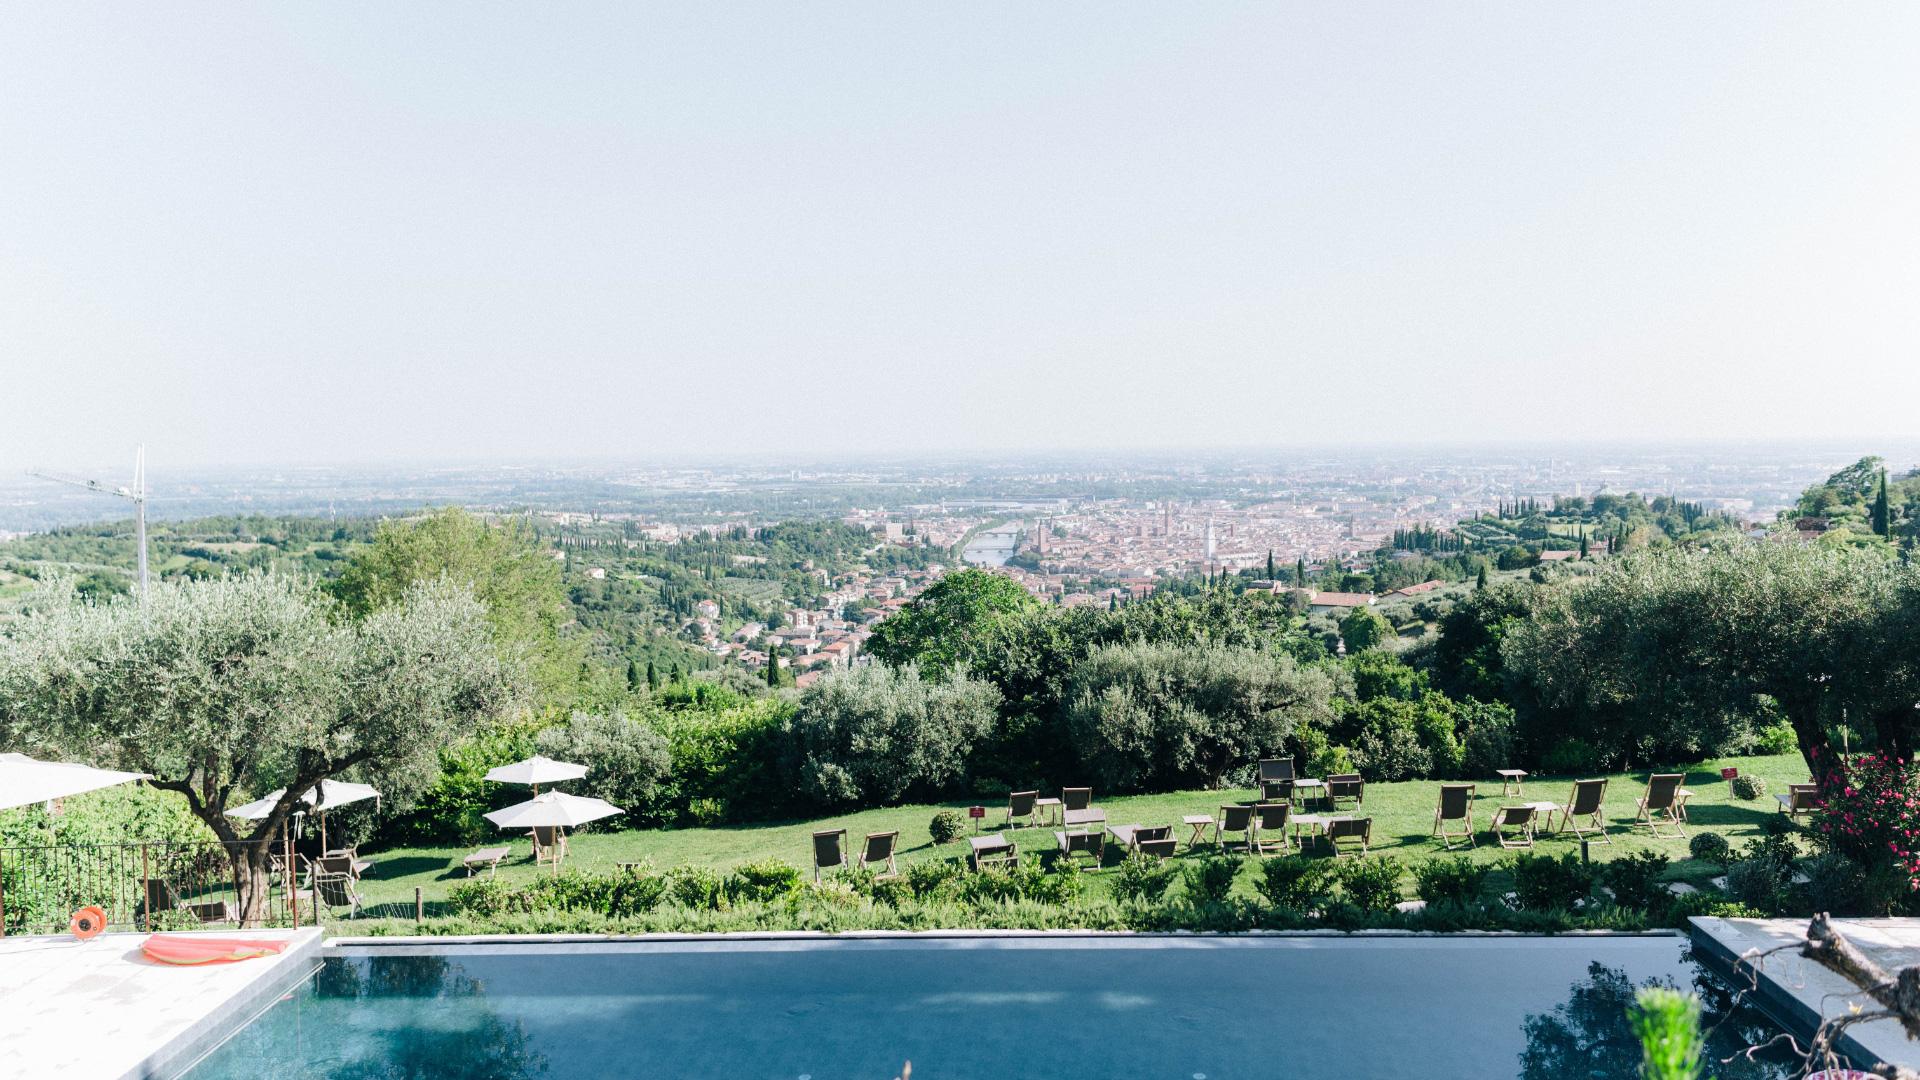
(251,233)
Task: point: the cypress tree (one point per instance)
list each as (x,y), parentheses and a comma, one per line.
(1482,582)
(1270,576)
(1583,545)
(653,676)
(773,665)
(633,674)
(1880,508)
(1300,572)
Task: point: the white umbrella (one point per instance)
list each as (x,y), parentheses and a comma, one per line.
(536,770)
(555,809)
(25,781)
(325,796)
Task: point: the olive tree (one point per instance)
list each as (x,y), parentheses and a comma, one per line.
(224,689)
(1670,653)
(878,734)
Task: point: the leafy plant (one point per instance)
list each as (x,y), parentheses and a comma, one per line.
(1449,881)
(1210,880)
(1635,880)
(1292,881)
(696,887)
(1710,847)
(1748,787)
(1667,1023)
(769,879)
(932,876)
(947,826)
(1142,878)
(1543,882)
(1372,885)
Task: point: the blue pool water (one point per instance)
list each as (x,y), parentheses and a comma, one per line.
(966,1008)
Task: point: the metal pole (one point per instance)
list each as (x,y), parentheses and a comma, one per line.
(3,894)
(146,887)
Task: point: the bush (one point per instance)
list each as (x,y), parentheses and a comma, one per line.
(1776,739)
(1762,875)
(1837,884)
(1293,881)
(696,888)
(1458,880)
(626,761)
(726,756)
(1160,716)
(947,826)
(932,876)
(1635,880)
(1710,847)
(1489,742)
(1210,880)
(1545,883)
(482,897)
(1706,905)
(760,882)
(1873,813)
(1143,879)
(1372,885)
(1748,787)
(451,810)
(877,735)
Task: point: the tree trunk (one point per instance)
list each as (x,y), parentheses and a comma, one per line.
(252,882)
(1815,748)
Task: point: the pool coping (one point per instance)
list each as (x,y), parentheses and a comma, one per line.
(374,943)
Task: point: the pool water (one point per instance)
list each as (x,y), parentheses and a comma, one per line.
(1196,1008)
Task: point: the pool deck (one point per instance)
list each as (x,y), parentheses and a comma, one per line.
(99,1010)
(1803,993)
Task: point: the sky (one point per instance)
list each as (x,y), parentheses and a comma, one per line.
(369,232)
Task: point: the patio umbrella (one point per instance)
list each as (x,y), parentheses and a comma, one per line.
(535,771)
(555,809)
(24,781)
(325,796)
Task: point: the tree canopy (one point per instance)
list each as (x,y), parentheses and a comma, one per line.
(945,625)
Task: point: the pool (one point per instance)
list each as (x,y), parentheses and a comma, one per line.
(1178,1008)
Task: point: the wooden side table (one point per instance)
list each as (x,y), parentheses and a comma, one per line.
(1200,823)
(1510,781)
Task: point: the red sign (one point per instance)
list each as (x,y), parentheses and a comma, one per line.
(1728,774)
(976,811)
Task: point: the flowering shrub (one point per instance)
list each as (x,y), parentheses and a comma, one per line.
(1873,812)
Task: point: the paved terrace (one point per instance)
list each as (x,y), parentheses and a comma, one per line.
(99,1010)
(1802,993)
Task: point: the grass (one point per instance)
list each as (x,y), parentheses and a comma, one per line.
(1402,821)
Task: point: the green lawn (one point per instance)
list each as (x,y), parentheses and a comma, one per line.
(1402,821)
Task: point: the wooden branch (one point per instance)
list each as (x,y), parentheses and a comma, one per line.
(1899,993)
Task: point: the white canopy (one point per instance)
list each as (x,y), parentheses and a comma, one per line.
(325,796)
(553,808)
(25,781)
(536,770)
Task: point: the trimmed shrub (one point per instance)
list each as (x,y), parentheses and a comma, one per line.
(1635,880)
(1293,881)
(1545,883)
(947,826)
(696,887)
(1747,786)
(1210,880)
(759,882)
(1776,739)
(1457,880)
(932,876)
(1372,885)
(1143,879)
(1710,847)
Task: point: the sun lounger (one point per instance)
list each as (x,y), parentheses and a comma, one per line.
(1022,806)
(1346,786)
(1581,811)
(829,850)
(1155,840)
(879,849)
(549,844)
(1349,830)
(1237,818)
(1270,827)
(1800,800)
(1518,818)
(1663,797)
(1086,844)
(337,891)
(162,897)
(488,857)
(1456,806)
(993,850)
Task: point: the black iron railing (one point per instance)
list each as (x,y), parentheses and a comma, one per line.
(158,885)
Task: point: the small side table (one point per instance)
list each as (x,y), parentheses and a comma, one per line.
(1307,788)
(1200,823)
(1048,811)
(1513,778)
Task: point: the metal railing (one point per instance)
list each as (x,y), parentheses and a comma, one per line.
(157,885)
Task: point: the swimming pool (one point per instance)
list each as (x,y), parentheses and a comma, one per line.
(1179,1008)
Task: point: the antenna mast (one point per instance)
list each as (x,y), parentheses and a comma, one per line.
(137,494)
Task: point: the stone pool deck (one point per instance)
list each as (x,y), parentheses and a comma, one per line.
(1802,993)
(99,1010)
